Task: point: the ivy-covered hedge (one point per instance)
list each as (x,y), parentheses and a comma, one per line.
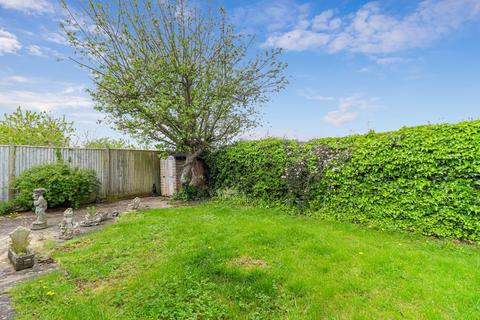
(423,179)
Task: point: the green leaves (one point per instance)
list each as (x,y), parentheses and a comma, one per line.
(65,186)
(110,143)
(35,129)
(168,72)
(423,179)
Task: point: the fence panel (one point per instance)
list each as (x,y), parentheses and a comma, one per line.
(4,166)
(27,157)
(88,159)
(133,172)
(120,172)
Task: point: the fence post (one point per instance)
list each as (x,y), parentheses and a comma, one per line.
(106,172)
(11,171)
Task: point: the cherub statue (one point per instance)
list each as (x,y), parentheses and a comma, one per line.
(40,209)
(134,205)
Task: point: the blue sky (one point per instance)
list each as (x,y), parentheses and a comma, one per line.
(353,65)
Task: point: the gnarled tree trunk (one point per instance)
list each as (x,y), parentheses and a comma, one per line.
(193,172)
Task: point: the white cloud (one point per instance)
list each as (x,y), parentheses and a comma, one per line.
(340,117)
(43,52)
(272,14)
(28,6)
(19,79)
(298,40)
(348,109)
(309,95)
(35,50)
(55,37)
(8,42)
(44,101)
(389,60)
(325,21)
(371,31)
(74,88)
(90,118)
(365,70)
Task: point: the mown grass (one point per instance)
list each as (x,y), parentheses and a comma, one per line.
(215,261)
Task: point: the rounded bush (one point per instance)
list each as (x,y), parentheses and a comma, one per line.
(66,186)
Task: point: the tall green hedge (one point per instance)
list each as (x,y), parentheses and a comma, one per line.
(424,179)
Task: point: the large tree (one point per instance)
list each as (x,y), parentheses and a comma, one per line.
(25,127)
(168,71)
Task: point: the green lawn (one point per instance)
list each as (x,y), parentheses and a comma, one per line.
(215,261)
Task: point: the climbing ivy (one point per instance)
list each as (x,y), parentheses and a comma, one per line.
(424,179)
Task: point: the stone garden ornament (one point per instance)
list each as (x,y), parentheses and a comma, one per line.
(40,209)
(131,207)
(19,252)
(68,227)
(92,218)
(134,205)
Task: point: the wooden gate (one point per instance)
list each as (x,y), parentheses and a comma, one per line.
(169,176)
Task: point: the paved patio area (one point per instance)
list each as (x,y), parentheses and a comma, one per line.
(9,277)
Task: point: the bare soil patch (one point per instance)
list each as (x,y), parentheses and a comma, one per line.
(247,262)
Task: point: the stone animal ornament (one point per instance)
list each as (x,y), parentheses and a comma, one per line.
(68,226)
(131,207)
(134,205)
(92,218)
(19,252)
(40,209)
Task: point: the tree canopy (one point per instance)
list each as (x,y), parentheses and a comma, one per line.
(111,143)
(24,127)
(169,72)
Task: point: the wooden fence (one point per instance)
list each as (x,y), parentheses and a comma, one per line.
(121,173)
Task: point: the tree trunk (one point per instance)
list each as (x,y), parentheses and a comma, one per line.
(193,172)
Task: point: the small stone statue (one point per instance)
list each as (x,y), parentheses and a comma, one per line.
(20,240)
(68,227)
(92,218)
(40,209)
(19,252)
(134,205)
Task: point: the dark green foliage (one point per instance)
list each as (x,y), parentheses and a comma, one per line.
(422,179)
(7,207)
(65,186)
(253,167)
(190,193)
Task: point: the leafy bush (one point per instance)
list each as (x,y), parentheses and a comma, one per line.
(65,186)
(422,179)
(252,167)
(7,207)
(190,193)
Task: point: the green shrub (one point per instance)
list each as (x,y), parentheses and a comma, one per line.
(7,207)
(65,186)
(190,193)
(423,179)
(252,167)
